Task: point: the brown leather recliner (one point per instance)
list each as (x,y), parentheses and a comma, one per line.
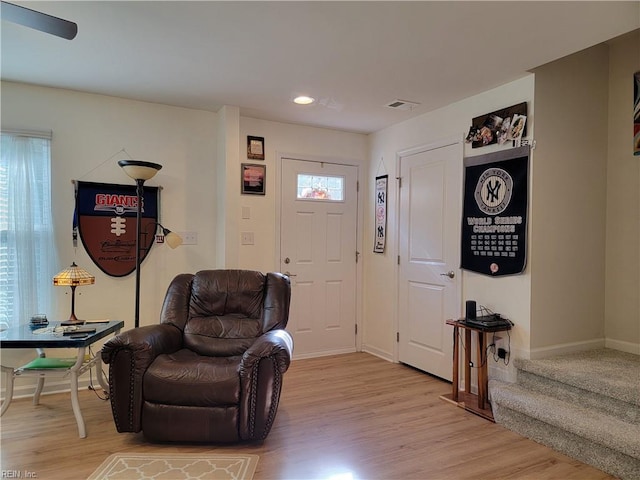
(212,370)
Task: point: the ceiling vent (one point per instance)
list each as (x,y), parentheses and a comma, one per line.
(402,105)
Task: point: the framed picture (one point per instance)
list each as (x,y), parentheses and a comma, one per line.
(253,179)
(255,148)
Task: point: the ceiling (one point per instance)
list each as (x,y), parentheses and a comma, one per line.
(354,57)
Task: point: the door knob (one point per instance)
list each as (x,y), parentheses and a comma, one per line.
(450,274)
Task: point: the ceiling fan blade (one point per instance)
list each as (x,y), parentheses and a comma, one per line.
(38,20)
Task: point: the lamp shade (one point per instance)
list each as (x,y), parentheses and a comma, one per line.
(139,170)
(173,239)
(73,276)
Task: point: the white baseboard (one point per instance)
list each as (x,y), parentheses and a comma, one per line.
(322,354)
(26,390)
(623,346)
(564,348)
(378,353)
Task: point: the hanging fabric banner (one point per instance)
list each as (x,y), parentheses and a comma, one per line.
(106,220)
(381,214)
(494,220)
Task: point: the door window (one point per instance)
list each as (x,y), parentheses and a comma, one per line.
(320,187)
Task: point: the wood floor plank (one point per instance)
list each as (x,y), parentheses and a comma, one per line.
(352,414)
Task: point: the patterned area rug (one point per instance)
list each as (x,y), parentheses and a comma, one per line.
(176,466)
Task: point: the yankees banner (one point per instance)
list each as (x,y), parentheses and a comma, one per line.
(106,221)
(494,220)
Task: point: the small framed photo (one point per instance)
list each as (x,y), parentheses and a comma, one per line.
(255,148)
(253,179)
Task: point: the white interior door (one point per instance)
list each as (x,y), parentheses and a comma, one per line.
(318,248)
(429,243)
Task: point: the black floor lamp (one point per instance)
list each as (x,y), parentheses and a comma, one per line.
(142,171)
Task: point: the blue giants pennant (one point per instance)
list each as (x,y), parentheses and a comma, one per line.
(106,216)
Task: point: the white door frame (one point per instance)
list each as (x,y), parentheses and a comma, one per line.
(359,226)
(442,142)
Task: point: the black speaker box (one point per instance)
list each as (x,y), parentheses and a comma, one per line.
(471,310)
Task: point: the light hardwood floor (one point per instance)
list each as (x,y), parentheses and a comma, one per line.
(344,415)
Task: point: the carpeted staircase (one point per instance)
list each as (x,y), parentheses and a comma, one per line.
(585,405)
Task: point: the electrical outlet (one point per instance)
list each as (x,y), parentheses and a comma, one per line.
(189,238)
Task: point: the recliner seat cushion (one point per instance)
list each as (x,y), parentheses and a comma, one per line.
(186,378)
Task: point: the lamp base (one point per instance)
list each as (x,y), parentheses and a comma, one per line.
(66,323)
(73,320)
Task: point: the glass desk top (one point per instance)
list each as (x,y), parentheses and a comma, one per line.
(23,336)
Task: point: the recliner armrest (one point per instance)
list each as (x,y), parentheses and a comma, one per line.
(129,354)
(261,371)
(276,343)
(146,342)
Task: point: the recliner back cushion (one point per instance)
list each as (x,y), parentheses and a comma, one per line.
(220,336)
(225,311)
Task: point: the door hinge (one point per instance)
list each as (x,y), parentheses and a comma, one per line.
(398,259)
(356,328)
(357,185)
(357,256)
(398,337)
(399,182)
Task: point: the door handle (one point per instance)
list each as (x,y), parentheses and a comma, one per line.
(450,274)
(289,274)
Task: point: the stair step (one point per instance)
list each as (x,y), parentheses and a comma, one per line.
(585,405)
(578,396)
(588,423)
(602,457)
(605,372)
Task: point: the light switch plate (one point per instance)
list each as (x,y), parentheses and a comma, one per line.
(247,238)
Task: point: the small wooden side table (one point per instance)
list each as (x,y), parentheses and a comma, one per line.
(476,403)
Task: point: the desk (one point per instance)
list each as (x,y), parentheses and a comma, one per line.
(24,337)
(476,403)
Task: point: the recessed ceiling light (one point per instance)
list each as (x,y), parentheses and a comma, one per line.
(304,100)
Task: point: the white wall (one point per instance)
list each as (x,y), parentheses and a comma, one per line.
(622,301)
(507,295)
(569,203)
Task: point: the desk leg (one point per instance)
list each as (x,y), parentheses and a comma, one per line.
(482,370)
(8,371)
(75,401)
(467,360)
(456,363)
(100,374)
(40,384)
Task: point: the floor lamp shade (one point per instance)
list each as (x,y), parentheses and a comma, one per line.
(139,170)
(73,277)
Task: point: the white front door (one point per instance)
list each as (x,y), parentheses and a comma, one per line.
(429,244)
(318,228)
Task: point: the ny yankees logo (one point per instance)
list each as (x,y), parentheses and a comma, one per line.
(493,191)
